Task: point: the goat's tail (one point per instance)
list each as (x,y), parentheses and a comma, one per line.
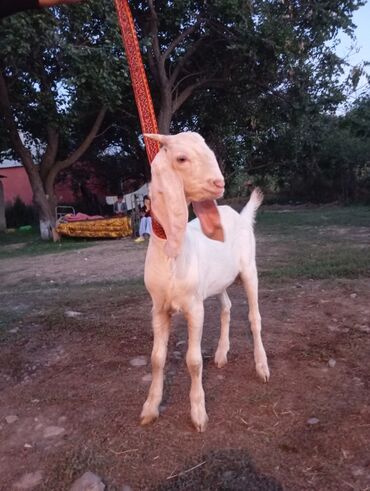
(248,213)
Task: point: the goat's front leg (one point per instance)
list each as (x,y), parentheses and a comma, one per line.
(224,342)
(194,361)
(250,282)
(161,328)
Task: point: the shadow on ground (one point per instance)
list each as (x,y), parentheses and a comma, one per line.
(230,470)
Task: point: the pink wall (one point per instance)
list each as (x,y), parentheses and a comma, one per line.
(16,184)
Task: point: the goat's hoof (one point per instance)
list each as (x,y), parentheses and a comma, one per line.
(147,418)
(220,359)
(263,371)
(200,422)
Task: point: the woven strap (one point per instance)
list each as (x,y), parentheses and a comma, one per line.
(139,81)
(157,229)
(140,86)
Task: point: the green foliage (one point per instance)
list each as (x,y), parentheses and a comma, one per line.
(260,80)
(28,243)
(19,214)
(73,65)
(316,243)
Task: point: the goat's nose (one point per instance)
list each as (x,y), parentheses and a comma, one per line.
(220,183)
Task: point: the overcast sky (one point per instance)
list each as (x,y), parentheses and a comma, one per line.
(361,19)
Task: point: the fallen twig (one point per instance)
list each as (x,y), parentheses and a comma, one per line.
(349,484)
(250,428)
(288,412)
(124,451)
(185,472)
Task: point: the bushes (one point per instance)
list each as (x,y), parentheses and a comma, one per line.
(19,214)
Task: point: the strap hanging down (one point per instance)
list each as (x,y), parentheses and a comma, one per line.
(139,81)
(140,86)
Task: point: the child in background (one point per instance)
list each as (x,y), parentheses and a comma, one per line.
(145,227)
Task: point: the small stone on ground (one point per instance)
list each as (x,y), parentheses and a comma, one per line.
(88,482)
(29,481)
(51,431)
(72,313)
(139,361)
(313,421)
(11,419)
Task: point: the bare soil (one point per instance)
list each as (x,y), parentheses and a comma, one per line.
(73,371)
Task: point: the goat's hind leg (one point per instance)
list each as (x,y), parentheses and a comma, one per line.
(161,328)
(250,282)
(224,342)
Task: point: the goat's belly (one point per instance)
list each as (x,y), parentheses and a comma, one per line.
(217,284)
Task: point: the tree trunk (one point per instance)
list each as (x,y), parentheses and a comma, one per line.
(46,215)
(2,209)
(43,205)
(165,110)
(164,118)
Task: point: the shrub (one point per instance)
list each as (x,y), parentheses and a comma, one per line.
(18,214)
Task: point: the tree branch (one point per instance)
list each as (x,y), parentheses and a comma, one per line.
(51,151)
(194,74)
(63,164)
(153,33)
(105,130)
(186,93)
(180,38)
(5,110)
(183,60)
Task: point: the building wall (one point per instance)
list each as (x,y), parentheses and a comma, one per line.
(16,184)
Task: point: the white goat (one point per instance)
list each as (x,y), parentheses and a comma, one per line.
(184,269)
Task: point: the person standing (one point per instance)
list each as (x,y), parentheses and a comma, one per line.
(119,206)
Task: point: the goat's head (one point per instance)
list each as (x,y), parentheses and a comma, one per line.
(185,170)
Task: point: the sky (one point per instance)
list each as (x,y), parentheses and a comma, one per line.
(361,19)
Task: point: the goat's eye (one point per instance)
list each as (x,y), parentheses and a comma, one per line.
(181,159)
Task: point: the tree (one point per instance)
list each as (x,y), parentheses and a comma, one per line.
(55,91)
(185,44)
(255,78)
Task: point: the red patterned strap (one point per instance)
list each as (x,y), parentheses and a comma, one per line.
(157,229)
(140,85)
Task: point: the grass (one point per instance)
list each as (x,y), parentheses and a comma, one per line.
(54,300)
(337,262)
(28,243)
(316,243)
(351,216)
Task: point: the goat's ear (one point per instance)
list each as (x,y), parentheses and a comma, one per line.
(169,203)
(209,218)
(162,139)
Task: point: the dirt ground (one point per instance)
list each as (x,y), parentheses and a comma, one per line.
(76,321)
